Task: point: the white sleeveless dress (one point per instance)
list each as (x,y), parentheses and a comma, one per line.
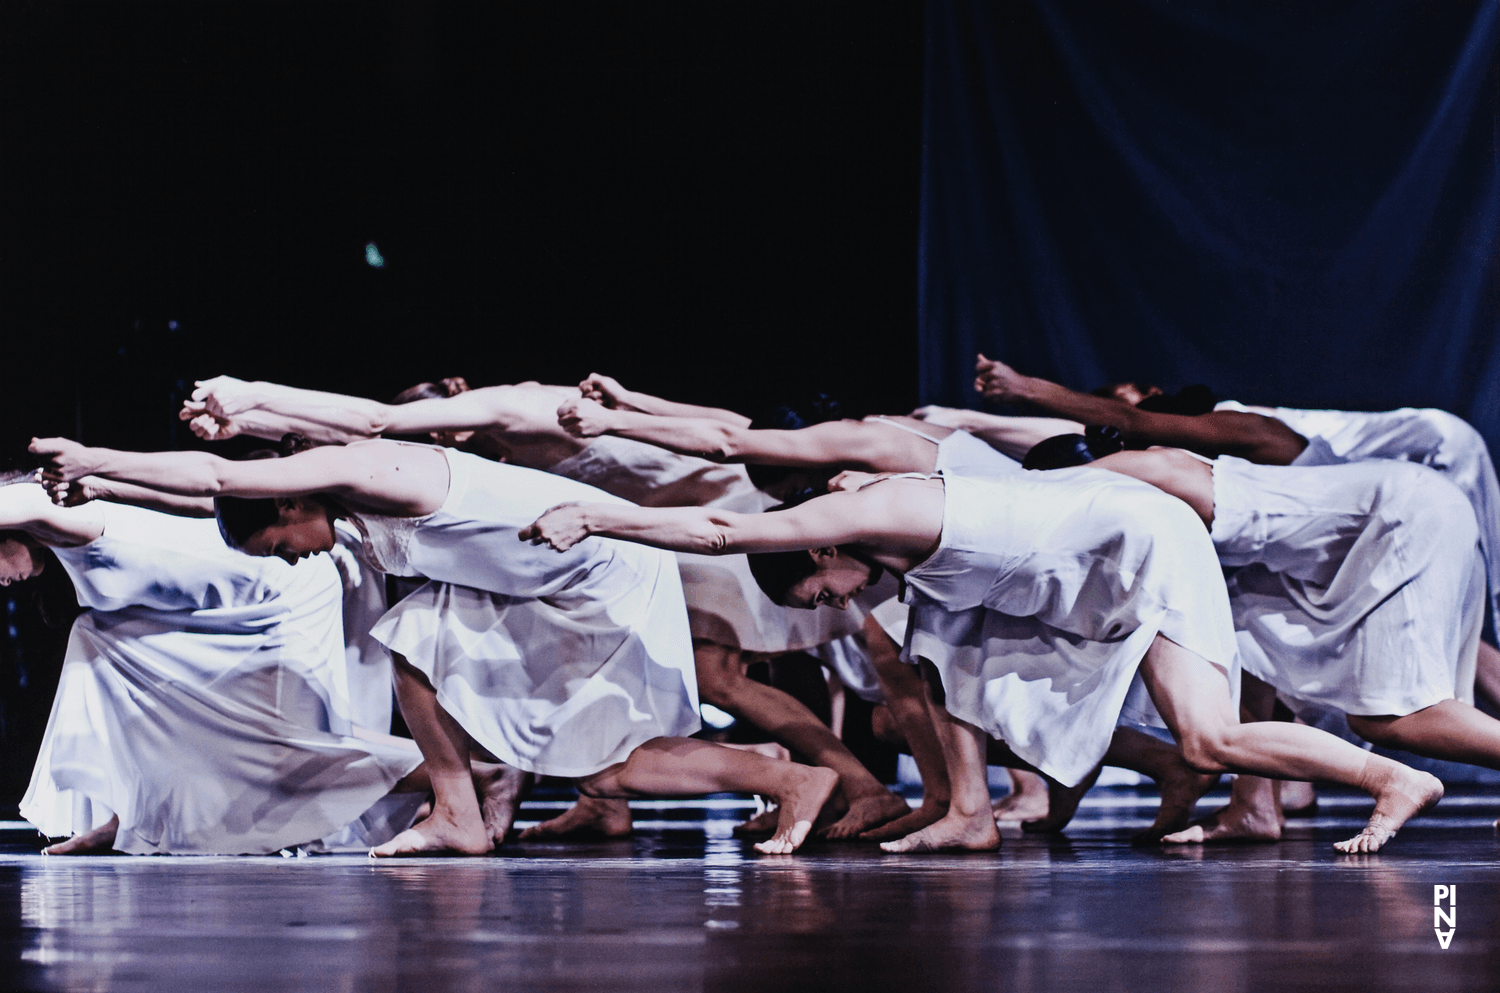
(1359,586)
(559,663)
(724,603)
(366,661)
(1434,438)
(202,699)
(960,453)
(1045,592)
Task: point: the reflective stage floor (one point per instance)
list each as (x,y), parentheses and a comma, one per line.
(684,906)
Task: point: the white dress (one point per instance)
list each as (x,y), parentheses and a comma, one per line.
(559,663)
(202,700)
(1044,594)
(724,603)
(1434,438)
(366,661)
(1360,586)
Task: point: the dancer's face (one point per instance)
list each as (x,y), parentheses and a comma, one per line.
(305,528)
(840,578)
(19,560)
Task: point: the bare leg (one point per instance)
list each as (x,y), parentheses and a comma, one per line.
(1062,802)
(100,839)
(906,699)
(1449,729)
(1253,812)
(1194,701)
(456,825)
(969,824)
(590,817)
(723,683)
(1028,797)
(685,767)
(1487,673)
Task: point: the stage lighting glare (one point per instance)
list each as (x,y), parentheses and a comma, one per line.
(373,256)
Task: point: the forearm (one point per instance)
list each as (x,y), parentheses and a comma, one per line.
(116,491)
(676,529)
(647,404)
(1015,436)
(190,474)
(1080,407)
(688,436)
(323,417)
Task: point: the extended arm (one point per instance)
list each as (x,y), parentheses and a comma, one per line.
(1250,436)
(384,477)
(869,517)
(89,488)
(1015,436)
(611,394)
(26,507)
(832,443)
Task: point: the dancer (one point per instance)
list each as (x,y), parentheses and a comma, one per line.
(1036,600)
(576,666)
(1357,587)
(731,620)
(201,707)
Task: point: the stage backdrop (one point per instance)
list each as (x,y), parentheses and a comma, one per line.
(1295,204)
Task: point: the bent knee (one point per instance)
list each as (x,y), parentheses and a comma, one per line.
(1376,730)
(1208,751)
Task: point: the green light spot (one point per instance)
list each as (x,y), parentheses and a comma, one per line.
(373,256)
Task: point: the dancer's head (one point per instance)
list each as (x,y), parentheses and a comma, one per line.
(1064,450)
(290,528)
(812,577)
(21,556)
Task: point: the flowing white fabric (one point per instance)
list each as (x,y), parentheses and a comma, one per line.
(1044,594)
(1434,438)
(366,661)
(724,603)
(202,699)
(1360,587)
(559,663)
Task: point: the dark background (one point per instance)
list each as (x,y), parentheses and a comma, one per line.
(713,201)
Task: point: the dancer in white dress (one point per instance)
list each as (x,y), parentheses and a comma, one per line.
(729,617)
(577,665)
(1357,587)
(201,704)
(1038,598)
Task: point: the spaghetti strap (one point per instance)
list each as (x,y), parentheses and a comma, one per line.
(890,423)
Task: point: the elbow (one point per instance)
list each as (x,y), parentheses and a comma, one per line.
(723,446)
(374,424)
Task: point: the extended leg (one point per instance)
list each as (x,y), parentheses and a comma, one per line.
(686,767)
(1449,729)
(1193,699)
(456,824)
(723,683)
(906,699)
(1253,812)
(968,824)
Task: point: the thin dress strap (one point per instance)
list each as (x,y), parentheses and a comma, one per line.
(890,423)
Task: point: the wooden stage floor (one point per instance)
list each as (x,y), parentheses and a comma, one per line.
(685,906)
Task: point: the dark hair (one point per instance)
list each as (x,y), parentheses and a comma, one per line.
(777,572)
(1190,400)
(815,409)
(242,518)
(442,389)
(1064,450)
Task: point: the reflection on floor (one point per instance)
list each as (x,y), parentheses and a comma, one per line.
(685,906)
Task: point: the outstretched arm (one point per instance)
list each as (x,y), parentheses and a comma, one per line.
(25,507)
(871,517)
(384,477)
(832,443)
(610,393)
(1250,436)
(1015,436)
(90,488)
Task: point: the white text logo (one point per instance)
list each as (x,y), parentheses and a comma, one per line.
(1441,917)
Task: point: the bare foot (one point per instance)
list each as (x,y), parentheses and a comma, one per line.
(1062,804)
(954,832)
(1027,799)
(1235,822)
(437,836)
(1181,788)
(865,813)
(761,825)
(928,813)
(501,790)
(810,788)
(589,818)
(1404,794)
(100,839)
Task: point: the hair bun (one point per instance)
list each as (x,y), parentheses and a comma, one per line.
(1103,439)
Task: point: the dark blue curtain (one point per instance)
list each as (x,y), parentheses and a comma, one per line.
(1294,203)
